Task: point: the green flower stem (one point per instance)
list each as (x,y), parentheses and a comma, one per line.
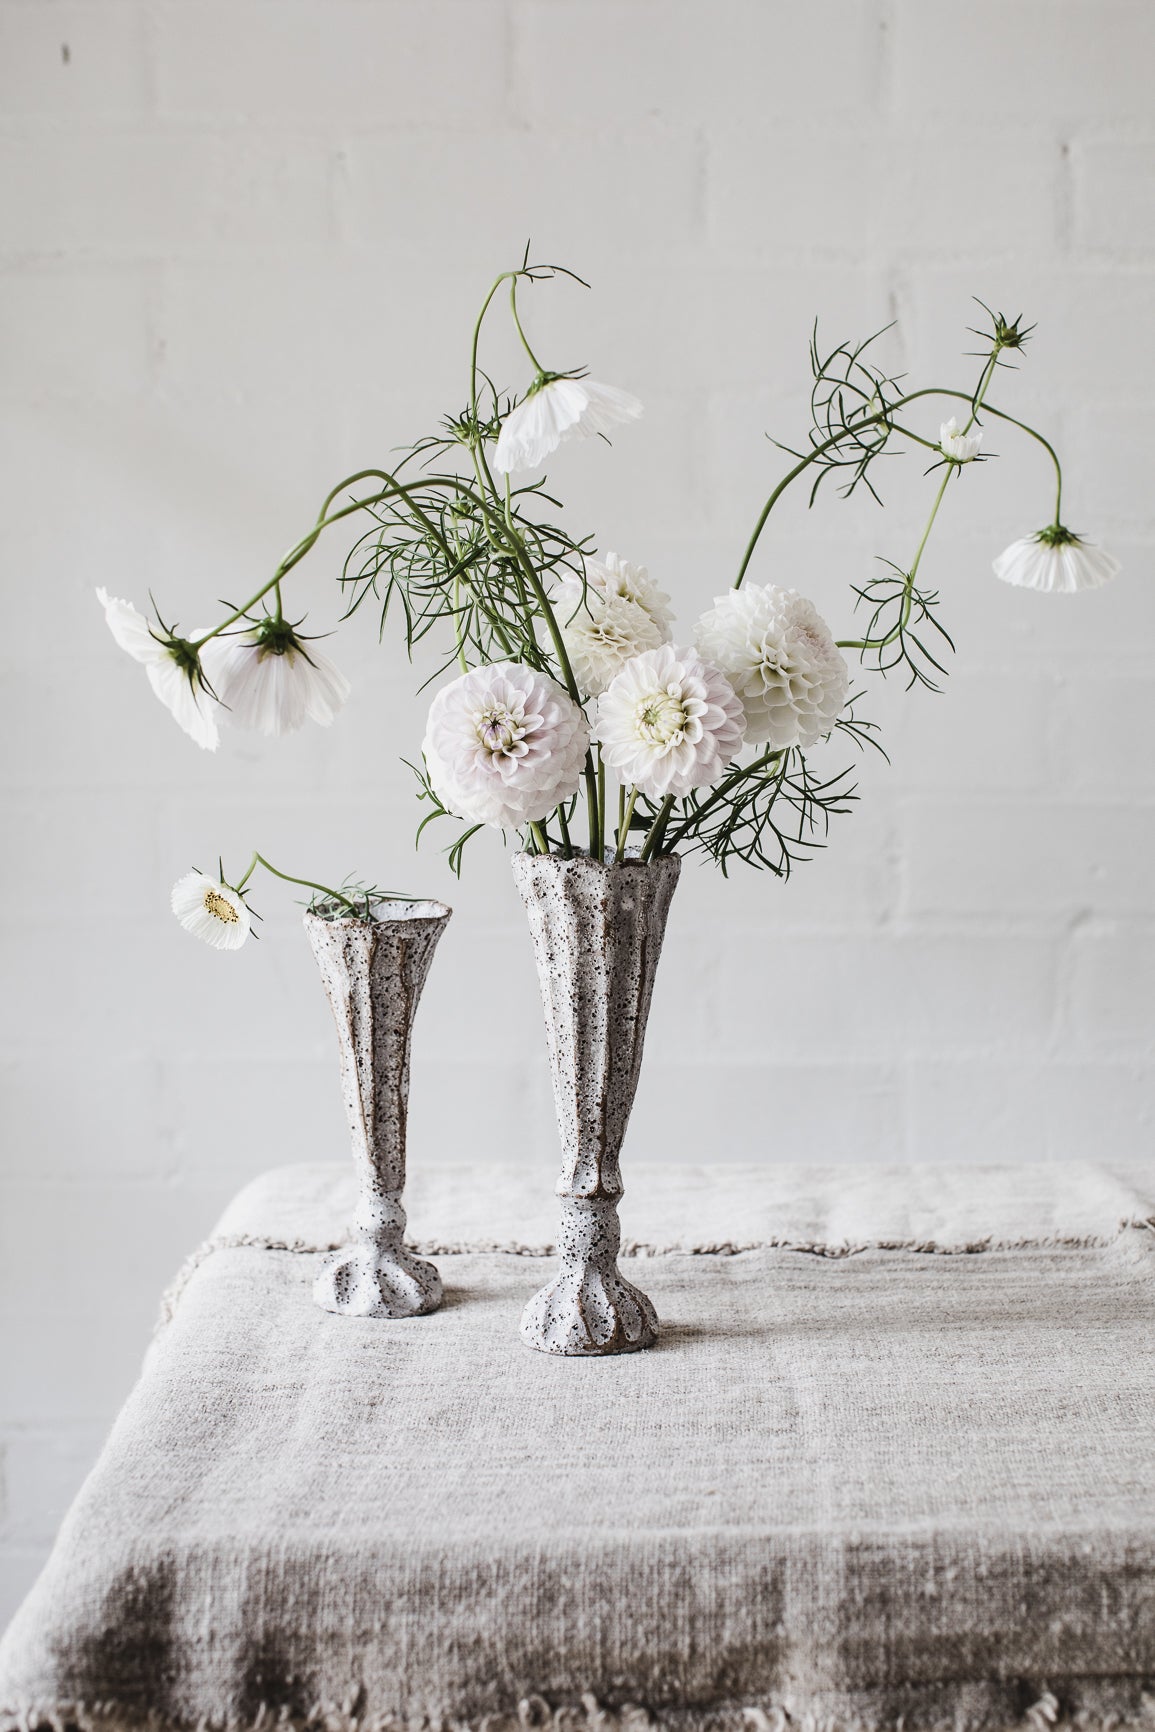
(723,787)
(524,339)
(324,520)
(540,839)
(308,884)
(625,813)
(513,542)
(882,415)
(657,829)
(566,844)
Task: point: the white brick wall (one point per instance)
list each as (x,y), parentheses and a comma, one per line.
(240,247)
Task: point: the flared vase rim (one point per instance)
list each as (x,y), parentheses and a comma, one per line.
(582,857)
(422,911)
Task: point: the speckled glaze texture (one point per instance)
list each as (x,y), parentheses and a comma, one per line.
(597,935)
(373,977)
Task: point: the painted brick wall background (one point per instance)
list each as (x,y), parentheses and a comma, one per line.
(240,249)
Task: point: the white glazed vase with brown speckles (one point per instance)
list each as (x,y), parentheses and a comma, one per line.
(597,934)
(373,973)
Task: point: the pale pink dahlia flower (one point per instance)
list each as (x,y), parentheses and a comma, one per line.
(669,722)
(504,745)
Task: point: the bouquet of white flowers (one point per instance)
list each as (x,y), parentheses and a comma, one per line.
(571,675)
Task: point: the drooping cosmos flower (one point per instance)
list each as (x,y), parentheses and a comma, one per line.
(1055,561)
(960,447)
(211,911)
(669,722)
(779,655)
(556,409)
(271,681)
(172,667)
(504,745)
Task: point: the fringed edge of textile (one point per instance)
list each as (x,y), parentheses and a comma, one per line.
(643,1248)
(535,1714)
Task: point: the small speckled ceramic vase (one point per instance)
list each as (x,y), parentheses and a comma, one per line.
(373,974)
(597,935)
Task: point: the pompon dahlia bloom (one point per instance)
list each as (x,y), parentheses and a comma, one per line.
(173,670)
(556,409)
(618,577)
(211,911)
(1055,561)
(504,745)
(270,682)
(669,722)
(960,447)
(602,633)
(779,655)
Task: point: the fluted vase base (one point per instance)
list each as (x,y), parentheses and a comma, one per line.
(377,1275)
(589,1309)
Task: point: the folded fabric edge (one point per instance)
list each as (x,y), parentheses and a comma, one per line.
(1128,1706)
(641,1248)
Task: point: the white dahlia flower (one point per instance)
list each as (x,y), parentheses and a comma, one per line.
(172,667)
(618,577)
(557,409)
(504,745)
(779,655)
(211,911)
(1056,561)
(269,681)
(960,447)
(669,722)
(601,633)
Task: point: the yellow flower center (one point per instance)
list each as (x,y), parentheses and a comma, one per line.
(220,907)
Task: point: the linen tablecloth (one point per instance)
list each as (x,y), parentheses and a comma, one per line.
(892,1464)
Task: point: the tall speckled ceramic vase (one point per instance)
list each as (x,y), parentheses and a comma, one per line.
(373,975)
(597,935)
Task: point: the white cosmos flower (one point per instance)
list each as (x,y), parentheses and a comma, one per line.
(601,633)
(211,910)
(556,410)
(779,655)
(618,577)
(669,722)
(195,709)
(960,447)
(271,682)
(504,745)
(1056,561)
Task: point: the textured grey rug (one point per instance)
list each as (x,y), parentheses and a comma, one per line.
(852,1486)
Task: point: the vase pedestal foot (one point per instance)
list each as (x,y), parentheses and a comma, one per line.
(589,1309)
(377,1275)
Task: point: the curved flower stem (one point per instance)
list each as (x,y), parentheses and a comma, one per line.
(524,339)
(540,840)
(975,401)
(309,884)
(394,489)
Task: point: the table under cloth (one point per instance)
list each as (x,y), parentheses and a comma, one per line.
(892,1464)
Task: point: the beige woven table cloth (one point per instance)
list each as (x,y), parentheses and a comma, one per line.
(891,1465)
